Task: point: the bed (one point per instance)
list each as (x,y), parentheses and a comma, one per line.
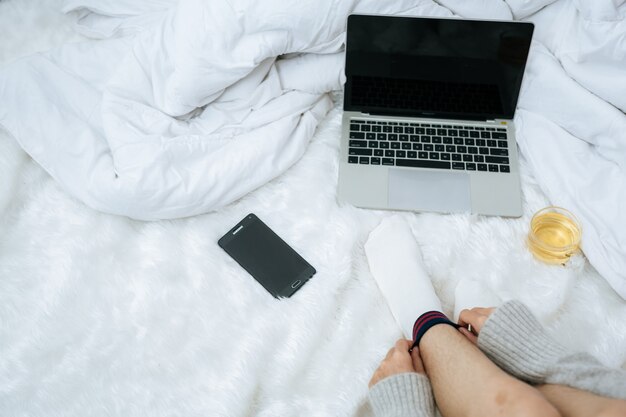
(101,314)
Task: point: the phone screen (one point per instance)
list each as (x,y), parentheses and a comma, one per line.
(268,258)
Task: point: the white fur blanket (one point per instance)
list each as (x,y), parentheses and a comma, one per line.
(103,315)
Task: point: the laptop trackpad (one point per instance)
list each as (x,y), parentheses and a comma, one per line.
(446,191)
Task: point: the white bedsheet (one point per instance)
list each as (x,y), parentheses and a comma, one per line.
(105,315)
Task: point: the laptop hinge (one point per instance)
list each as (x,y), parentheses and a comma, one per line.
(383,114)
(424,116)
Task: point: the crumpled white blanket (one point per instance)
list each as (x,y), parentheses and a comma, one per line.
(183,107)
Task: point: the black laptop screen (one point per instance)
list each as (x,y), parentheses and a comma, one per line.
(429,67)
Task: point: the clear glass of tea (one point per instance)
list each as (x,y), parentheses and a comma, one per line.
(554,235)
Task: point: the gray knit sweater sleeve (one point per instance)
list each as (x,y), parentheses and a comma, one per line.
(403,395)
(514,339)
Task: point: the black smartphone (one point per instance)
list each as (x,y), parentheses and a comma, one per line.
(268,258)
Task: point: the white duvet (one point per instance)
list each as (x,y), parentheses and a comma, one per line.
(105,315)
(185,107)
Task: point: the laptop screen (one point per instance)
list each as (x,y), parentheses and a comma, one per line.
(431,67)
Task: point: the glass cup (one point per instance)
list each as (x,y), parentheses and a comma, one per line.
(554,235)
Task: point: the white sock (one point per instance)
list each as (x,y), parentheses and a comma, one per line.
(396,263)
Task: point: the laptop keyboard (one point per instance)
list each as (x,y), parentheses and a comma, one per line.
(427,145)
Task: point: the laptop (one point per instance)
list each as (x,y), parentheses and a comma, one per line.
(428,114)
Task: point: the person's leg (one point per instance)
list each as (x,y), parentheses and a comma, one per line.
(572,402)
(466,383)
(464,380)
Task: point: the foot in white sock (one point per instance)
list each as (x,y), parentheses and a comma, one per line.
(396,263)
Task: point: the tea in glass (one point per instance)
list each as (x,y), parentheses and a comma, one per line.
(554,235)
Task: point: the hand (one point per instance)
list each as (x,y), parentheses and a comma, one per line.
(475,317)
(399,360)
